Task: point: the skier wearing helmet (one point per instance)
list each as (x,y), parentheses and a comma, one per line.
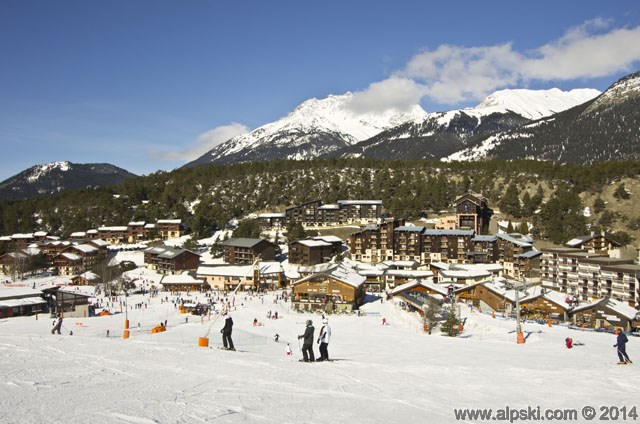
(307,342)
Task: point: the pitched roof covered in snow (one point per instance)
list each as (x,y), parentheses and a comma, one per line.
(338,272)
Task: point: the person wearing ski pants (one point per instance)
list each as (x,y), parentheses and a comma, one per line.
(307,342)
(621,344)
(56,328)
(323,339)
(226,332)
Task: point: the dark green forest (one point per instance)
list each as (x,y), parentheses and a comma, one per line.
(543,194)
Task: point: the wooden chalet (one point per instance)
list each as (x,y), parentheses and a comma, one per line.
(543,304)
(338,289)
(304,214)
(169,228)
(88,278)
(313,251)
(606,314)
(67,263)
(171,260)
(21,301)
(68,302)
(473,213)
(114,234)
(183,282)
(414,295)
(136,231)
(13,262)
(246,250)
(265,275)
(594,243)
(272,220)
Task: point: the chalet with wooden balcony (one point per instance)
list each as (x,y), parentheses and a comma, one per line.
(594,243)
(68,263)
(246,250)
(608,314)
(313,251)
(304,214)
(445,245)
(473,213)
(171,260)
(114,234)
(169,228)
(359,211)
(336,289)
(272,220)
(136,231)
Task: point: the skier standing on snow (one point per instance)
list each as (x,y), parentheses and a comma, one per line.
(226,332)
(621,344)
(56,328)
(307,343)
(323,339)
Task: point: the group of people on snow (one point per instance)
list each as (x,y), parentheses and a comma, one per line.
(323,340)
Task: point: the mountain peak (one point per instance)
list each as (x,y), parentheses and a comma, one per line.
(534,104)
(40,171)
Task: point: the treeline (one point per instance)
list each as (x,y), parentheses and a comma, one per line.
(207,197)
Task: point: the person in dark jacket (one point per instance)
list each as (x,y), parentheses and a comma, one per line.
(307,342)
(226,332)
(621,344)
(56,328)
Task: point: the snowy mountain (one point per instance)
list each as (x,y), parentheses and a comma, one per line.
(444,133)
(55,177)
(315,128)
(604,128)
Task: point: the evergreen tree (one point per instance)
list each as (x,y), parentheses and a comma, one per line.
(621,192)
(510,203)
(598,205)
(295,232)
(451,324)
(562,218)
(248,228)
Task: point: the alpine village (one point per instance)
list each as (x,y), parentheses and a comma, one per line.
(541,225)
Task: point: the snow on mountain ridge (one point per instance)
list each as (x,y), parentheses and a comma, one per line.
(39,171)
(331,114)
(533,104)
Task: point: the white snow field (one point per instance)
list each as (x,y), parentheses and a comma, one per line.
(381,374)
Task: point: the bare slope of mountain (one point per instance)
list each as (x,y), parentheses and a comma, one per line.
(313,129)
(445,133)
(55,177)
(605,128)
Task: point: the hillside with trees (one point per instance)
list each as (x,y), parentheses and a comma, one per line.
(550,198)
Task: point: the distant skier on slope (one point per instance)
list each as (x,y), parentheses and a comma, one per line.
(323,339)
(56,328)
(226,332)
(621,344)
(307,343)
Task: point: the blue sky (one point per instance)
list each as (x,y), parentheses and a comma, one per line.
(148,85)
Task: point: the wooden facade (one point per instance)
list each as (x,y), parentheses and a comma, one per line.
(338,289)
(312,251)
(246,250)
(606,314)
(473,213)
(169,260)
(169,228)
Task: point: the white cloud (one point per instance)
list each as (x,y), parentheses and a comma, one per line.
(204,142)
(455,74)
(393,93)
